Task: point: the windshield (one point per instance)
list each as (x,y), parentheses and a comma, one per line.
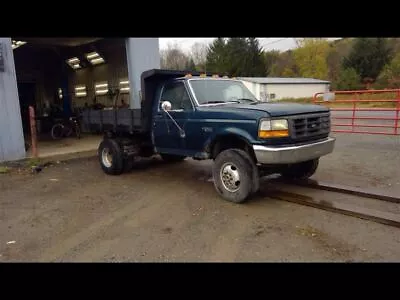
(220,91)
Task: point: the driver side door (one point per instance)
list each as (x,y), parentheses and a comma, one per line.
(167,128)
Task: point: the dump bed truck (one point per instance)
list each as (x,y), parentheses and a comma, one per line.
(203,117)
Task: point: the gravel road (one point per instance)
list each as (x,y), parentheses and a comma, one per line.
(170,212)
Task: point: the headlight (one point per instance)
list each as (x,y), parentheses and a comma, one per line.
(273,128)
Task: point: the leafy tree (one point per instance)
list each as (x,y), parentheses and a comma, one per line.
(334,61)
(199,53)
(288,72)
(348,80)
(390,75)
(284,66)
(311,58)
(173,58)
(190,65)
(368,57)
(271,58)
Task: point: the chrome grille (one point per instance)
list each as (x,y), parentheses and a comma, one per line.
(310,126)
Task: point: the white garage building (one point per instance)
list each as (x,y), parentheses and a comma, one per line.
(277,88)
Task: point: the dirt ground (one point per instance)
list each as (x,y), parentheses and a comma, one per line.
(170,212)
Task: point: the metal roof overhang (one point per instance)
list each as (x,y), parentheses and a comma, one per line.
(64,42)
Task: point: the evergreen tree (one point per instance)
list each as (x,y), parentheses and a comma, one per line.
(216,56)
(368,57)
(190,65)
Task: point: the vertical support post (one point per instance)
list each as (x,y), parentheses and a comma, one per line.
(354,111)
(396,121)
(12,145)
(67,105)
(32,122)
(142,54)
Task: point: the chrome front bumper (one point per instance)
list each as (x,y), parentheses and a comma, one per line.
(293,154)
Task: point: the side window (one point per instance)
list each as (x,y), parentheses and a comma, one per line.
(176,94)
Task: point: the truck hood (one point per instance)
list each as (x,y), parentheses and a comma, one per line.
(277,109)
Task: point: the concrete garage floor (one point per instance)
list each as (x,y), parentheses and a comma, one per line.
(49,148)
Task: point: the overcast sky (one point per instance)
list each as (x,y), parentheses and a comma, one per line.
(281,44)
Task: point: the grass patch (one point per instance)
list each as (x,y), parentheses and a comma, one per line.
(4,170)
(33,162)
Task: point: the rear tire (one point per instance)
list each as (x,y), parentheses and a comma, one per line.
(111,157)
(233,175)
(302,170)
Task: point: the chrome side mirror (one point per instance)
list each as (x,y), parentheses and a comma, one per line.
(166,105)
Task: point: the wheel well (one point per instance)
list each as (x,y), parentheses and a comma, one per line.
(228,142)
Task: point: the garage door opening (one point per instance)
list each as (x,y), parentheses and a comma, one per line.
(59,77)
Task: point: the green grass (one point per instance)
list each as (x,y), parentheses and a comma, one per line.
(4,170)
(33,162)
(380,96)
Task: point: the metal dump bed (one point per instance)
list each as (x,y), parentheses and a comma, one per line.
(114,120)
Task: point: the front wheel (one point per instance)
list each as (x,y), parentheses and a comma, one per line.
(233,175)
(302,170)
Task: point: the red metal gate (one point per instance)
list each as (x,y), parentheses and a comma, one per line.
(363,110)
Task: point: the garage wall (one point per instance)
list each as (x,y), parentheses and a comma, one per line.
(113,71)
(11,135)
(295,90)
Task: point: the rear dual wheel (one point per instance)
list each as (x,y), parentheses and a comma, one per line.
(111,158)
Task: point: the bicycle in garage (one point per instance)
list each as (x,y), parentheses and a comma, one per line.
(65,128)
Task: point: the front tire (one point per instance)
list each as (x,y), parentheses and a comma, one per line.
(111,157)
(302,170)
(233,175)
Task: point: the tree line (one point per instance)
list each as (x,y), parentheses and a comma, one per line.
(348,63)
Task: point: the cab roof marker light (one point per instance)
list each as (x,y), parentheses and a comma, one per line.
(92,55)
(101,85)
(73,60)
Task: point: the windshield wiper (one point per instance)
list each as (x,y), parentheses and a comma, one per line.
(247,99)
(219,101)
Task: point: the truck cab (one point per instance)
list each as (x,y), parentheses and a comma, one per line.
(206,117)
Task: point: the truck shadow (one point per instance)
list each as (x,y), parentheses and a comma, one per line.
(200,174)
